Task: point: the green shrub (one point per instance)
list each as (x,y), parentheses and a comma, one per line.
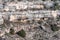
(43,0)
(19,0)
(11,31)
(21,33)
(54,27)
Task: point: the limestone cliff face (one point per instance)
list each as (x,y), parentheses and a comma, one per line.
(35,17)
